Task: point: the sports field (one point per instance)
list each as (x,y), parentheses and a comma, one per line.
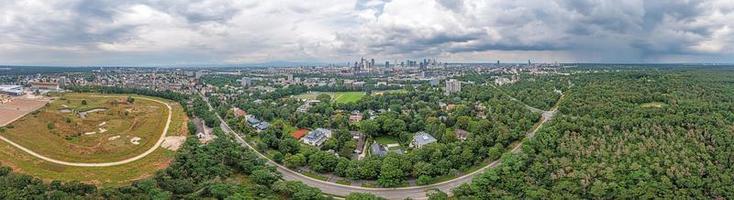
(115,131)
(339,97)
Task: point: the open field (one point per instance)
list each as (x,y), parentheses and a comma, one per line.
(345,97)
(652,105)
(62,144)
(18,108)
(339,97)
(68,130)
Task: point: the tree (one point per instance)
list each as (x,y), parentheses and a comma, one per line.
(437,195)
(391,172)
(297,190)
(130,99)
(278,157)
(393,126)
(423,180)
(266,176)
(322,161)
(294,161)
(363,196)
(84,102)
(289,145)
(323,98)
(370,127)
(5,170)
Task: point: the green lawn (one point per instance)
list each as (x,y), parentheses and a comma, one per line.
(385,140)
(344,182)
(339,97)
(346,97)
(652,105)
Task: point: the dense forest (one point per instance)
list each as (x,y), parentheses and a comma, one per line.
(639,134)
(540,92)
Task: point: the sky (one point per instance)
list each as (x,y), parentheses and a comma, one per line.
(162,32)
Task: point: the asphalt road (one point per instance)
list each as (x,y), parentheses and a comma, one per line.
(106,164)
(414,192)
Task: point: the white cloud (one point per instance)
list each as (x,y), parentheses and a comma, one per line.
(230,31)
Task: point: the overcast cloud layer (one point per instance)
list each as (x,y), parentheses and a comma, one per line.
(80,32)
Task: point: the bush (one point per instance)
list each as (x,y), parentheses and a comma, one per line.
(424,180)
(278,157)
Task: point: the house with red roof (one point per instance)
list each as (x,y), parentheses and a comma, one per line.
(298,134)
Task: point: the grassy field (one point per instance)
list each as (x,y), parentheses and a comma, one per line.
(63,140)
(59,132)
(385,140)
(339,97)
(345,97)
(653,105)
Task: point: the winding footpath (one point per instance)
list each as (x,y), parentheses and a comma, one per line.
(413,192)
(105,164)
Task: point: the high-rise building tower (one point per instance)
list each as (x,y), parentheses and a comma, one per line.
(245,81)
(453,86)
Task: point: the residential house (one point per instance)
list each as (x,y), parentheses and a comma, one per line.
(298,134)
(252,120)
(355,117)
(238,112)
(359,137)
(421,139)
(317,137)
(378,150)
(307,105)
(262,126)
(461,134)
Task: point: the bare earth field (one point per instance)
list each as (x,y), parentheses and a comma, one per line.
(18,108)
(120,131)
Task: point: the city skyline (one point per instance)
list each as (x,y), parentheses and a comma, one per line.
(149,33)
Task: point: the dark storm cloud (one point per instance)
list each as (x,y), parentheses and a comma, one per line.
(650,29)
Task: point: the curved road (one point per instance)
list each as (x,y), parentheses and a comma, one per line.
(106,164)
(414,192)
